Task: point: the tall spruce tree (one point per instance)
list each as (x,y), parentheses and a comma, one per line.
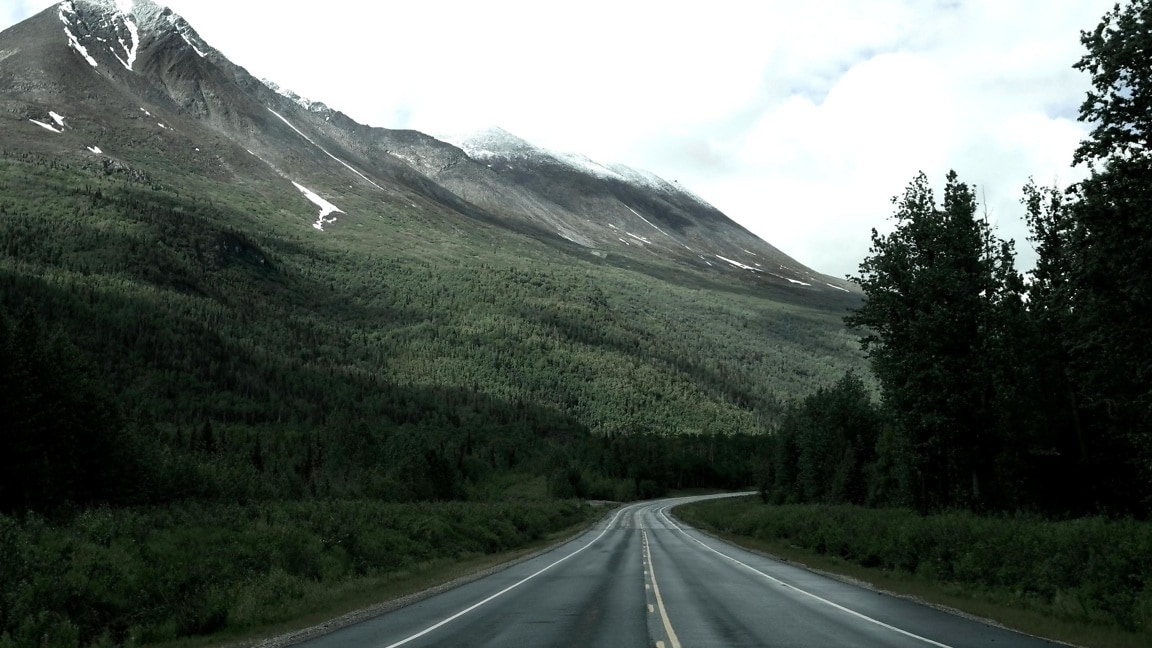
(938,291)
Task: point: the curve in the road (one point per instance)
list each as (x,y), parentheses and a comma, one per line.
(601,590)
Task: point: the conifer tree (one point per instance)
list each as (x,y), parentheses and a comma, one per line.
(1110,269)
(936,289)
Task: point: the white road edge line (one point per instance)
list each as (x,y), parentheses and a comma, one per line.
(797,589)
(511,587)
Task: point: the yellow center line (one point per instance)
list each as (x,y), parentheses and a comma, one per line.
(659,601)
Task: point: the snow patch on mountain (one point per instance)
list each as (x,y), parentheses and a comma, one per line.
(586,164)
(130,49)
(192,45)
(647,221)
(48,126)
(122,26)
(489,143)
(838,288)
(738,264)
(326,208)
(188,34)
(73,42)
(95,149)
(325,151)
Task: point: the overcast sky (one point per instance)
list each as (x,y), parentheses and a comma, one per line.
(799,120)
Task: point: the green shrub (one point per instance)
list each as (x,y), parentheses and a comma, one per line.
(160,574)
(1093,569)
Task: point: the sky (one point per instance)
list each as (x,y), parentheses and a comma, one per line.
(799,120)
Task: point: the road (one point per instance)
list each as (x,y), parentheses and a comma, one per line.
(641,578)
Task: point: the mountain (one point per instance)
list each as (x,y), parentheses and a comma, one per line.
(226,250)
(134,75)
(606,206)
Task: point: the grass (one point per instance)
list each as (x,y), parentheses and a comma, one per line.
(1004,606)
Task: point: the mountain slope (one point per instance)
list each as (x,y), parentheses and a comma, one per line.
(613,205)
(147,55)
(329,270)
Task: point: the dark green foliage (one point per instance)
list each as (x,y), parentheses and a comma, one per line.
(825,447)
(1119,105)
(61,441)
(941,296)
(1069,472)
(1111,248)
(1092,570)
(154,575)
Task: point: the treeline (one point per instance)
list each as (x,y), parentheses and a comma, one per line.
(1000,392)
(69,444)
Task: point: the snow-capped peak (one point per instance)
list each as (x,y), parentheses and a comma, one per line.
(495,142)
(99,28)
(125,7)
(303,102)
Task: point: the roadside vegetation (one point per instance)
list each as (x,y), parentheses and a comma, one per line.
(1079,580)
(133,576)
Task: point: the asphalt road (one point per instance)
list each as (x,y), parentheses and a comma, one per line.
(641,578)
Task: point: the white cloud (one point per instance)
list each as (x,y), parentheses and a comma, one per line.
(799,120)
(14,11)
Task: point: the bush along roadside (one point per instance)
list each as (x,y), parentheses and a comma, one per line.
(145,576)
(1093,571)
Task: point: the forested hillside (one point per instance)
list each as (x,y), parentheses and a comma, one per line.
(328,365)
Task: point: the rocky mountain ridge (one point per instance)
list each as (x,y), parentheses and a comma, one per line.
(130,80)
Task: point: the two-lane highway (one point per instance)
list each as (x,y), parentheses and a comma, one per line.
(642,578)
